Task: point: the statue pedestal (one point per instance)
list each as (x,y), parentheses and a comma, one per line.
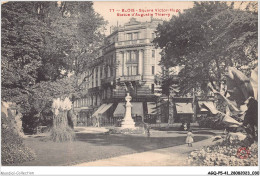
(128,121)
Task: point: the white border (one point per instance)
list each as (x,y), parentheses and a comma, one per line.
(168,170)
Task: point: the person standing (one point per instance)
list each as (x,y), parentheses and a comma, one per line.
(189,139)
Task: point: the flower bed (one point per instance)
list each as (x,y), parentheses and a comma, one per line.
(137,130)
(225,154)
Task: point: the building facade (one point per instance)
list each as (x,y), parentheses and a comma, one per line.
(130,64)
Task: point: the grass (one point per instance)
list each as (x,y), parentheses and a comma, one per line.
(90,147)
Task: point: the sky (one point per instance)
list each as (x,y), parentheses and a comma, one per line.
(110,9)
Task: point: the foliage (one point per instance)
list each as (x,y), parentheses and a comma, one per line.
(240,104)
(74,33)
(205,40)
(210,122)
(137,130)
(21,43)
(224,154)
(40,101)
(44,42)
(12,147)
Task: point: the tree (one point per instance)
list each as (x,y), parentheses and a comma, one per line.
(206,40)
(75,32)
(21,40)
(43,42)
(169,89)
(38,110)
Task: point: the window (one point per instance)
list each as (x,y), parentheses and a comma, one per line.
(129,36)
(128,56)
(135,36)
(111,70)
(101,70)
(134,70)
(108,72)
(128,71)
(108,93)
(97,76)
(152,70)
(153,53)
(133,56)
(105,93)
(96,100)
(152,88)
(153,35)
(92,80)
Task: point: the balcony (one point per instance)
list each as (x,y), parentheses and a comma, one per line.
(107,80)
(119,93)
(131,78)
(132,42)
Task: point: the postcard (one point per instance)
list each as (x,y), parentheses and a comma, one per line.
(116,83)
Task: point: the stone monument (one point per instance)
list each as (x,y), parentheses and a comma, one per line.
(128,121)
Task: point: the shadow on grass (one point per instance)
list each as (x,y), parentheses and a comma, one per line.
(135,142)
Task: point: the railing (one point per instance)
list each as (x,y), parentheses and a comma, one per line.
(107,80)
(119,93)
(132,42)
(131,78)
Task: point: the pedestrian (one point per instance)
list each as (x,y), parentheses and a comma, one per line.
(148,130)
(189,139)
(185,127)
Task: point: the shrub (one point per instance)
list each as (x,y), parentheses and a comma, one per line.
(224,154)
(205,121)
(61,131)
(137,130)
(62,134)
(13,150)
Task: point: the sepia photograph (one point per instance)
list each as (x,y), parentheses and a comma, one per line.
(116,83)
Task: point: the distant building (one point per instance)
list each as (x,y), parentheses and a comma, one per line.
(130,64)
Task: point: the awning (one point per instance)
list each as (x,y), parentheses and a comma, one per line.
(151,106)
(120,110)
(85,108)
(184,108)
(99,109)
(82,108)
(105,108)
(137,109)
(210,106)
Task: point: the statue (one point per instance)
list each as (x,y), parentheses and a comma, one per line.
(128,121)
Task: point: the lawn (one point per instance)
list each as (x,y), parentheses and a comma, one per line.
(91,147)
